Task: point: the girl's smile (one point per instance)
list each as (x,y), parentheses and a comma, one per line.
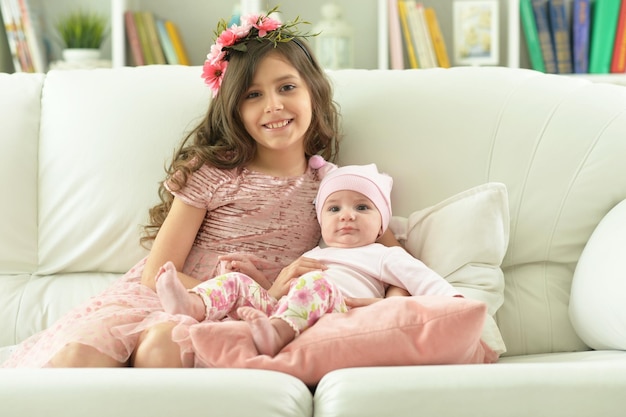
(278,125)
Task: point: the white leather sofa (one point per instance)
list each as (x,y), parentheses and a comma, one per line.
(81,153)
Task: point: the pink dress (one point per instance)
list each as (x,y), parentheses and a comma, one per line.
(269,217)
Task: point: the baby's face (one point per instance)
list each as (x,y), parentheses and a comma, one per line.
(349,219)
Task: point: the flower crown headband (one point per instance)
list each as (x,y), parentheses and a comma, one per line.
(235,38)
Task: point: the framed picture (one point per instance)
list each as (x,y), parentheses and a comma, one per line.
(475,26)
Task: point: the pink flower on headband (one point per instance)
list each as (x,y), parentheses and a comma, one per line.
(263,23)
(235,38)
(228,37)
(213,73)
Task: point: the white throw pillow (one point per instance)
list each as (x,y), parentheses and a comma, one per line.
(597,308)
(464,238)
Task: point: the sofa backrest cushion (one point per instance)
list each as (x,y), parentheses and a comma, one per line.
(106,138)
(19,140)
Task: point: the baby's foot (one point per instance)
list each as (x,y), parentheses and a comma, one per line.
(269,335)
(174,297)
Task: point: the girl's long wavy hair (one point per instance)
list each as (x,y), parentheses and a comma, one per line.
(221,140)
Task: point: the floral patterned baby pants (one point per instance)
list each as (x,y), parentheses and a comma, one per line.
(310,297)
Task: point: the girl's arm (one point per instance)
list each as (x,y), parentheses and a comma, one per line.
(393,291)
(388,239)
(173,242)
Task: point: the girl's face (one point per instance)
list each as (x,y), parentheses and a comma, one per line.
(349,220)
(276,109)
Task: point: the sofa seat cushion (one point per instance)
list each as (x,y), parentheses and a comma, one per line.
(572,384)
(72,392)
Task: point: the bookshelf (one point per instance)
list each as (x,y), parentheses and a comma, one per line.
(196,21)
(369,14)
(368,19)
(508,23)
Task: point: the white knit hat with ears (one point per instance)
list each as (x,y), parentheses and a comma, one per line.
(364,179)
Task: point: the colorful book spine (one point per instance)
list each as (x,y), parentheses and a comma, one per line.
(418,32)
(153,37)
(561,36)
(618,62)
(10,30)
(132,35)
(177,42)
(34,35)
(581,20)
(406,32)
(540,11)
(144,41)
(396,56)
(428,46)
(439,44)
(532,37)
(603,25)
(23,52)
(166,43)
(6,58)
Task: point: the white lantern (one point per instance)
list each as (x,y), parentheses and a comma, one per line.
(334,45)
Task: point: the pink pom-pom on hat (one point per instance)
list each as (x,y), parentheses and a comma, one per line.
(316,162)
(364,179)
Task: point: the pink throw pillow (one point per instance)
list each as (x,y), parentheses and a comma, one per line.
(419,330)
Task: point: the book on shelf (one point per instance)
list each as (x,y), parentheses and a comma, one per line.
(618,61)
(33,30)
(581,23)
(11,38)
(6,59)
(532,36)
(166,43)
(603,24)
(153,38)
(396,55)
(540,11)
(439,44)
(144,41)
(559,24)
(177,42)
(406,34)
(421,38)
(20,52)
(132,37)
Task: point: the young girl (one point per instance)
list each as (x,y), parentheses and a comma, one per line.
(239,190)
(353,207)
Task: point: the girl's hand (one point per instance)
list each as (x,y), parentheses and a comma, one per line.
(295,269)
(392,291)
(360,302)
(247,264)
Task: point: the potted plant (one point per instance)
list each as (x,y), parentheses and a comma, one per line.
(82,34)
